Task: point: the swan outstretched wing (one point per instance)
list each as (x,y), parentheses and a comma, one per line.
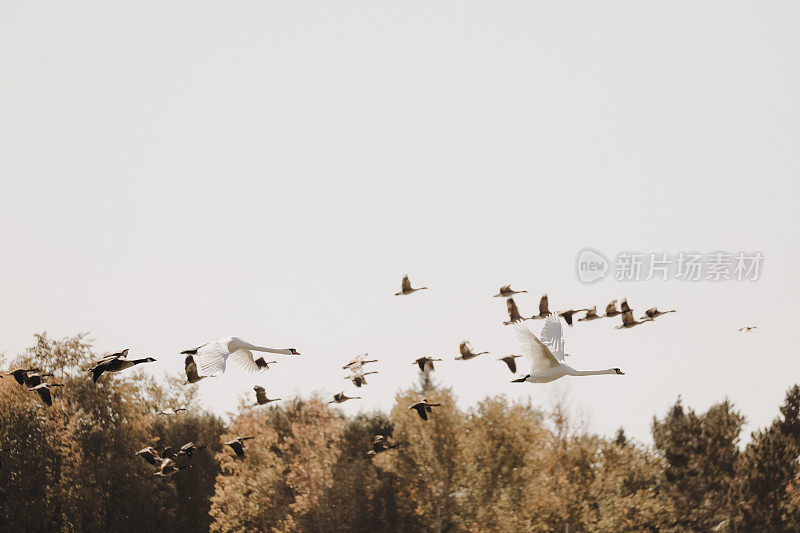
(244,360)
(211,358)
(537,354)
(552,335)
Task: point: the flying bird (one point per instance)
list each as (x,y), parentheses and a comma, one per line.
(425,364)
(747,329)
(611,309)
(591,314)
(168,468)
(624,305)
(567,315)
(513,312)
(406,287)
(171,411)
(150,455)
(358,378)
(34,379)
(423,408)
(654,312)
(261,396)
(358,361)
(506,292)
(21,374)
(237,445)
(116,362)
(191,370)
(263,364)
(212,357)
(544,308)
(628,321)
(340,397)
(509,360)
(379,445)
(546,356)
(43,390)
(189,448)
(466,352)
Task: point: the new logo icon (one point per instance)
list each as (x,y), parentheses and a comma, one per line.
(592,266)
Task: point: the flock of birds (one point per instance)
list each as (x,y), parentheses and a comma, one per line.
(545,355)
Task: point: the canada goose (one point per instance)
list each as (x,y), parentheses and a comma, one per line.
(591,314)
(509,360)
(544,308)
(624,306)
(628,321)
(506,291)
(466,352)
(237,445)
(406,288)
(358,378)
(425,363)
(340,397)
(379,445)
(116,362)
(513,312)
(43,389)
(169,468)
(261,396)
(748,329)
(546,357)
(189,448)
(358,361)
(611,309)
(34,379)
(263,364)
(191,370)
(150,455)
(212,357)
(654,312)
(423,408)
(20,374)
(171,411)
(567,315)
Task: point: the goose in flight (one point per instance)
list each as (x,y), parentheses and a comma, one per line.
(506,292)
(116,362)
(21,374)
(611,309)
(624,306)
(43,390)
(150,455)
(168,468)
(358,378)
(628,321)
(171,411)
(379,445)
(189,448)
(212,357)
(34,379)
(423,408)
(261,396)
(747,329)
(425,364)
(406,288)
(544,308)
(191,370)
(340,397)
(357,362)
(546,356)
(466,352)
(591,314)
(567,315)
(263,364)
(509,361)
(654,312)
(513,312)
(237,445)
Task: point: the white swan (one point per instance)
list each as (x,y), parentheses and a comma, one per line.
(212,357)
(546,357)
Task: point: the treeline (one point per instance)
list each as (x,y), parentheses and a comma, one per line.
(499,466)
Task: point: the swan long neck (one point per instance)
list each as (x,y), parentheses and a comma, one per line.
(270,350)
(574,372)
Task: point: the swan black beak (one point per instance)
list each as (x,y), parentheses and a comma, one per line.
(520,380)
(618,371)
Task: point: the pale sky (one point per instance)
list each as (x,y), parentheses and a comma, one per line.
(172,173)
